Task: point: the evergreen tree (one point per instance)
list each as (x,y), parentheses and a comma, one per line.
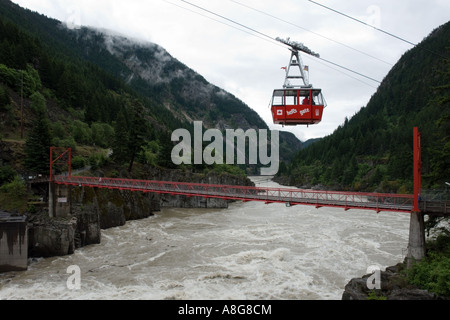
(138,131)
(131,132)
(120,143)
(439,149)
(38,142)
(4,98)
(165,152)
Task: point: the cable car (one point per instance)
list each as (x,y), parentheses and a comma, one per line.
(298,103)
(297,106)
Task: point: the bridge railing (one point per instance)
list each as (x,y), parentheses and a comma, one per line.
(289,196)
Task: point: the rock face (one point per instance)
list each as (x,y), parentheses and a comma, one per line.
(92,210)
(393,287)
(111,207)
(50,237)
(95,209)
(180,201)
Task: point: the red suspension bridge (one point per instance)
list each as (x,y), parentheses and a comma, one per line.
(416,204)
(289,196)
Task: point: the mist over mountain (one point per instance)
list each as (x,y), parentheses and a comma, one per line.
(96,74)
(153,72)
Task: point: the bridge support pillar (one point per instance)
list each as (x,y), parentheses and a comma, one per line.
(416,243)
(59,200)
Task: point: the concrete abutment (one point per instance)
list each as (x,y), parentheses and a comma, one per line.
(13,242)
(59,200)
(416,243)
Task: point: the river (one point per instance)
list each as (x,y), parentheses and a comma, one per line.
(249,251)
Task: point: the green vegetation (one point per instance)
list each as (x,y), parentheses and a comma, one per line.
(433,272)
(68,91)
(37,147)
(374,296)
(90,103)
(230,169)
(14,195)
(7,174)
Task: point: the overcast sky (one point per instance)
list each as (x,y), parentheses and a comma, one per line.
(248,64)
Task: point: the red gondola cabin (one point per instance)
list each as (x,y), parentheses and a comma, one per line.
(297,106)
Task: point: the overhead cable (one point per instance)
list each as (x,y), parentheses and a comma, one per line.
(225,18)
(378,29)
(271,38)
(369,25)
(219,21)
(315,33)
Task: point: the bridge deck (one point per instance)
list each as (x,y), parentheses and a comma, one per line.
(289,196)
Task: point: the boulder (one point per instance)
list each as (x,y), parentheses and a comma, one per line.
(393,287)
(411,294)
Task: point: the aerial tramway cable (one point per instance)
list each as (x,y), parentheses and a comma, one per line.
(225,18)
(272,38)
(226,24)
(378,29)
(369,25)
(278,44)
(315,33)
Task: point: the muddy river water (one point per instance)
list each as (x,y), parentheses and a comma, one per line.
(249,251)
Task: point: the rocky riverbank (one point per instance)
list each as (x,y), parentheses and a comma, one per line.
(96,209)
(393,287)
(92,210)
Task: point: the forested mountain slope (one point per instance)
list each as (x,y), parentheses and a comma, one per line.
(373,149)
(93,88)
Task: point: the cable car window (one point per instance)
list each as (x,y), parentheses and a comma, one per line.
(291,100)
(278,98)
(291,97)
(318,98)
(278,101)
(304,97)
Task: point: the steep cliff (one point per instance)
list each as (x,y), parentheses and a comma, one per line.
(112,207)
(92,210)
(180,201)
